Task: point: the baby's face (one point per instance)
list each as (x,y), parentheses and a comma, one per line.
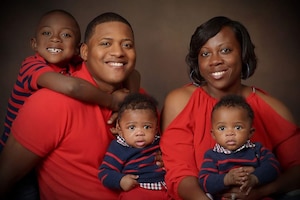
(138,127)
(231,127)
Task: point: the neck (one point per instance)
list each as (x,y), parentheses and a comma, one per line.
(219,93)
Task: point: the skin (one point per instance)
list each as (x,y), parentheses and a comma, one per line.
(231,128)
(138,128)
(214,57)
(57,40)
(16,161)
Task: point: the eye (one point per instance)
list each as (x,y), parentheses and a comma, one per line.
(127,45)
(46,33)
(238,127)
(221,128)
(225,50)
(105,43)
(66,35)
(204,54)
(147,127)
(132,127)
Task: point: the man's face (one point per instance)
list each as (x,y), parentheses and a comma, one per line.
(110,54)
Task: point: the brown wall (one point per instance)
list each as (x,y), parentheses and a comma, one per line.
(163,29)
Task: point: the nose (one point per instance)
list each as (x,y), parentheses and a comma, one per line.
(139,132)
(215,59)
(55,37)
(230,132)
(116,50)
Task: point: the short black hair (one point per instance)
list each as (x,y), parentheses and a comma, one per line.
(78,32)
(135,101)
(102,18)
(233,100)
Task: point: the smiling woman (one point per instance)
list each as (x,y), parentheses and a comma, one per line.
(221,54)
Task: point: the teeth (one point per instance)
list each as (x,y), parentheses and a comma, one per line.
(218,73)
(54,50)
(116,64)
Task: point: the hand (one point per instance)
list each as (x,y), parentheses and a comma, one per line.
(233,194)
(128,182)
(158,159)
(117,97)
(112,119)
(249,184)
(236,176)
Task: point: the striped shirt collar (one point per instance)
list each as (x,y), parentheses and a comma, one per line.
(218,148)
(122,141)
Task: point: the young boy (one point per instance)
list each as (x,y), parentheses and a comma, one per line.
(235,160)
(56,43)
(129,163)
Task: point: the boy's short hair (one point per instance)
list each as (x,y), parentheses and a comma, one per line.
(234,101)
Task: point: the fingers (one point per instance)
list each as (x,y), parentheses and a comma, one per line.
(112,118)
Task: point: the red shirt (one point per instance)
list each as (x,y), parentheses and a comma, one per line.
(72,137)
(187,138)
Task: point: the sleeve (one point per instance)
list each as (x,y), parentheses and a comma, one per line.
(280,136)
(178,151)
(110,170)
(268,168)
(209,178)
(32,68)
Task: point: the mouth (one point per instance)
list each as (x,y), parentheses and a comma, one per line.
(140,143)
(116,64)
(218,75)
(54,50)
(230,142)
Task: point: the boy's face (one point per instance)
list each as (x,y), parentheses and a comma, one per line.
(231,127)
(138,127)
(57,39)
(110,54)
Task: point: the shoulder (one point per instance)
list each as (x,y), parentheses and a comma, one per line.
(276,105)
(175,102)
(180,96)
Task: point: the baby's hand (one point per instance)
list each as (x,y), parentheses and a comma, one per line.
(129,182)
(236,176)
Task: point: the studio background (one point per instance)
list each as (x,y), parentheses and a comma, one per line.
(162,34)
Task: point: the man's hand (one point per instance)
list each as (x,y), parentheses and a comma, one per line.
(128,182)
(158,159)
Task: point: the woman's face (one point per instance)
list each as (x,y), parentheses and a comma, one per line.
(220,61)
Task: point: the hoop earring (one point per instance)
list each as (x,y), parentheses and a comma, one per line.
(194,83)
(247,72)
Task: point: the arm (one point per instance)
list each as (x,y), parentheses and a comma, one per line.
(287,151)
(133,82)
(80,89)
(210,179)
(268,169)
(110,170)
(188,186)
(16,161)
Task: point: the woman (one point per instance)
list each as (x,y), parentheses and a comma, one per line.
(221,55)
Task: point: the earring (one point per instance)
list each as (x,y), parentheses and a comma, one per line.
(191,78)
(247,72)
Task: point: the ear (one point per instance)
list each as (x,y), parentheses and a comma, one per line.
(77,50)
(252,130)
(33,44)
(212,134)
(84,51)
